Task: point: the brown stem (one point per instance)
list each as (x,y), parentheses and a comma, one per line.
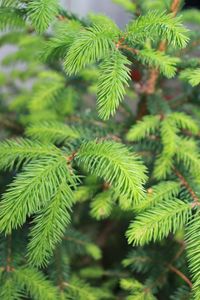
(175,7)
(188,187)
(149,87)
(173,269)
(77,241)
(180,274)
(119,43)
(106,186)
(71,157)
(133,50)
(61,18)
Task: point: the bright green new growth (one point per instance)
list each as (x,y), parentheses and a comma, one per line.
(103,41)
(161,192)
(42,13)
(10,19)
(114,76)
(191,75)
(156,223)
(30,190)
(25,282)
(8,3)
(192,241)
(102,205)
(159,24)
(173,144)
(116,165)
(46,184)
(166,64)
(184,122)
(137,290)
(90,45)
(35,284)
(15,153)
(168,136)
(10,291)
(52,132)
(57,46)
(190,159)
(148,125)
(49,225)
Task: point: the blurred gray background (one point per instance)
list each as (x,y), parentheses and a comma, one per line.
(82,7)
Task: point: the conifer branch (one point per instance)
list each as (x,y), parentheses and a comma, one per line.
(157,222)
(112,82)
(49,225)
(66,143)
(192,248)
(116,165)
(35,283)
(41,13)
(34,184)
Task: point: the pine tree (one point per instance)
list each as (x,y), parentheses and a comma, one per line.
(99,203)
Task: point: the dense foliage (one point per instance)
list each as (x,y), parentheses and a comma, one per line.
(99,203)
